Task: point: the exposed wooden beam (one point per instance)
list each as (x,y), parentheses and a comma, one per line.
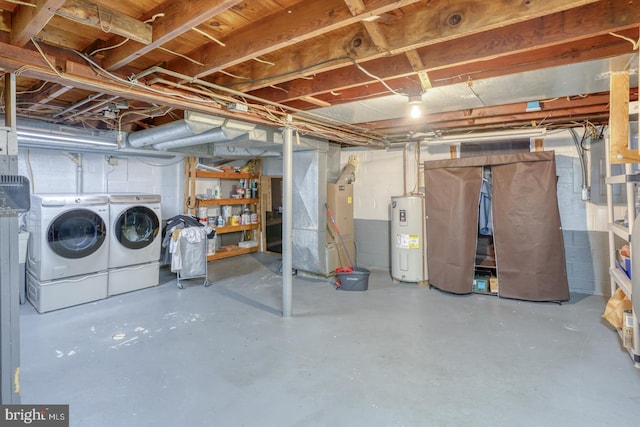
(109,20)
(40,100)
(298,23)
(82,76)
(356,7)
(375,33)
(560,28)
(545,45)
(519,117)
(428,24)
(5,21)
(565,109)
(179,17)
(27,21)
(588,49)
(420,69)
(377,36)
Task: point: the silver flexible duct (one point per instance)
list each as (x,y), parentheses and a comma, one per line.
(168,132)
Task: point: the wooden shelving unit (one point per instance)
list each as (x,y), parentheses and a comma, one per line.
(192,203)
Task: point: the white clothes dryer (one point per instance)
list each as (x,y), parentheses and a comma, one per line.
(68,253)
(136,241)
(69,235)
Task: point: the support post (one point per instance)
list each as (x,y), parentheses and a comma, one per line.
(287,222)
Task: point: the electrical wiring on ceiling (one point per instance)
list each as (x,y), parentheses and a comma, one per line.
(24,92)
(343,131)
(181,56)
(309,67)
(209,36)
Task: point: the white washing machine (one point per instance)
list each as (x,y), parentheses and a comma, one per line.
(134,252)
(68,252)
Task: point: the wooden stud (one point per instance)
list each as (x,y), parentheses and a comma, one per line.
(538,144)
(619,120)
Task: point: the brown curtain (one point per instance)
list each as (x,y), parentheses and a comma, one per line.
(526,221)
(527,232)
(451,203)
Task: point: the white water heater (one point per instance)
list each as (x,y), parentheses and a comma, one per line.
(408,239)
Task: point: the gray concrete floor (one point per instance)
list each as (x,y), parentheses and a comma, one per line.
(395,355)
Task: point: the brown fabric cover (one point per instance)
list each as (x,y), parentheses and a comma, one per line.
(527,234)
(451,203)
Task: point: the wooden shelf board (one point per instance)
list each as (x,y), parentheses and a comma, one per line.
(219,202)
(236,228)
(231,250)
(225,175)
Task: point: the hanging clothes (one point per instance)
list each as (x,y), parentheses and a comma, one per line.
(485,220)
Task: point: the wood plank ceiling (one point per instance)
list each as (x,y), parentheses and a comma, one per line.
(134,64)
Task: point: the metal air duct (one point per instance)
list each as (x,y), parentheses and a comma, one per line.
(177,130)
(213,135)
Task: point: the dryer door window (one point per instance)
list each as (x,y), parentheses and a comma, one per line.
(137,227)
(77,233)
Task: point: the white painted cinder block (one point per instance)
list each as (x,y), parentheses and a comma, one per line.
(380,176)
(55,172)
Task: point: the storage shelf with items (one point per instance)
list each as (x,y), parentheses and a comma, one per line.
(624,230)
(230,204)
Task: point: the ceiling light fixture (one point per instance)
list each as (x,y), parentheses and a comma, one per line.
(415,106)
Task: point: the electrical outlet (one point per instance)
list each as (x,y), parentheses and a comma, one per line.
(113,161)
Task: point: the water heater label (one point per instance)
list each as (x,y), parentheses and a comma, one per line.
(407,241)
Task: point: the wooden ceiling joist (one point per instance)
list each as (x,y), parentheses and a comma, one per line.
(177,18)
(108,20)
(28,21)
(423,27)
(43,98)
(550,46)
(304,21)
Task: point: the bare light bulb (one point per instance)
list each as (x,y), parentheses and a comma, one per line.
(415,112)
(415,106)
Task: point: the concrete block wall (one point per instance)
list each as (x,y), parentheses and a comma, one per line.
(380,176)
(52,171)
(587,261)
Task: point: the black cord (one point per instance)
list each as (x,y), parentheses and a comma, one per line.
(294,272)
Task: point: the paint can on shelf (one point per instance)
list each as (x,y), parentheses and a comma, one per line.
(211,245)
